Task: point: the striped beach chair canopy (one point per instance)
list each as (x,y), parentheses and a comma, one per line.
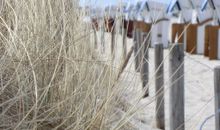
(203,15)
(100,8)
(182,9)
(139,8)
(158,9)
(111,11)
(146,10)
(151,10)
(215,5)
(199,14)
(131,9)
(97,12)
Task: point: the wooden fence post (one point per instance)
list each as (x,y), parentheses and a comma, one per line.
(95,38)
(124,41)
(113,41)
(135,48)
(217,96)
(137,45)
(176,70)
(95,27)
(144,62)
(144,55)
(139,41)
(159,84)
(102,31)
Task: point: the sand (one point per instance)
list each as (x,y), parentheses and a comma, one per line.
(199,88)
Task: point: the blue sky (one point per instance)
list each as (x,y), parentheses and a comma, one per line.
(96,3)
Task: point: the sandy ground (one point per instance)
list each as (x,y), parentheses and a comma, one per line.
(199,88)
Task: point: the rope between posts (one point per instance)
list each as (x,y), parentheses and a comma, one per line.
(187,56)
(208,118)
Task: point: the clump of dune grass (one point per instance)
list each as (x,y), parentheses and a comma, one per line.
(50,75)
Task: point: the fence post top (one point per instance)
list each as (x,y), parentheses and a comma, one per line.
(158,43)
(217,67)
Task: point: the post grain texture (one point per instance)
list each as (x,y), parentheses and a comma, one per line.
(102,37)
(124,41)
(113,41)
(145,63)
(217,96)
(139,46)
(176,71)
(135,48)
(95,38)
(159,84)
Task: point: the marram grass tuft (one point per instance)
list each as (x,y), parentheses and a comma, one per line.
(50,74)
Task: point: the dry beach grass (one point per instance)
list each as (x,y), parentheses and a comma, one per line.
(51,77)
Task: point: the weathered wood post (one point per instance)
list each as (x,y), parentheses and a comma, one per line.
(113,31)
(217,96)
(95,38)
(176,70)
(145,41)
(124,38)
(95,28)
(144,63)
(102,31)
(139,53)
(159,84)
(135,42)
